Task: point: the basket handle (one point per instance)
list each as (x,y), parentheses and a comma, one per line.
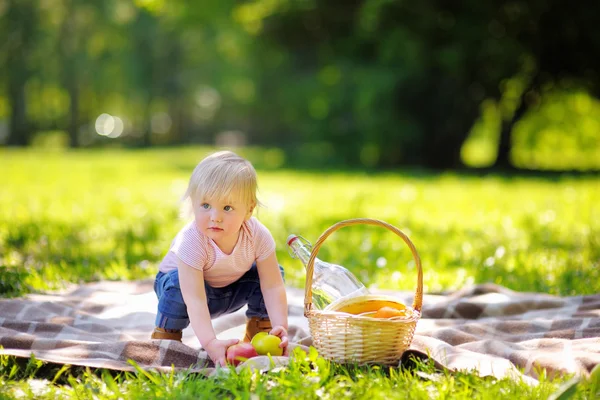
(418,300)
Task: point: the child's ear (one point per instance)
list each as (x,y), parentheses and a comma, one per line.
(250,210)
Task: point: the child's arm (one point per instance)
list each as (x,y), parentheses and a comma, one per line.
(191,281)
(273,290)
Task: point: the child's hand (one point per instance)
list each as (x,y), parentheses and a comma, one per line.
(217,350)
(282,333)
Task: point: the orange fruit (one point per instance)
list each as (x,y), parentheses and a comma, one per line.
(388,312)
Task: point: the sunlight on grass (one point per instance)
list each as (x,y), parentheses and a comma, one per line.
(80,216)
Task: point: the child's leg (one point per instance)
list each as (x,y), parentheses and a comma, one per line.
(245,291)
(172,316)
(231,298)
(256,302)
(258,319)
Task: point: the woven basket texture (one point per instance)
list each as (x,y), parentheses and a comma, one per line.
(348,338)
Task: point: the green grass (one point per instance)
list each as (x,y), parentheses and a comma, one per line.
(110,214)
(306,377)
(80,216)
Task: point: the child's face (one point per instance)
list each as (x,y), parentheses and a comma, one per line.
(221,220)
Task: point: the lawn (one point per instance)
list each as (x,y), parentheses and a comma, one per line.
(110,214)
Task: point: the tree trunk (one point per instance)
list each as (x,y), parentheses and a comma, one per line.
(503,160)
(21,17)
(146,122)
(70,55)
(179,133)
(74,119)
(19,132)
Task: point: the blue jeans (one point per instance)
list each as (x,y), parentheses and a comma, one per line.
(172,311)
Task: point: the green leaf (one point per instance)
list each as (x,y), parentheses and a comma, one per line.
(595,374)
(60,372)
(313,354)
(567,390)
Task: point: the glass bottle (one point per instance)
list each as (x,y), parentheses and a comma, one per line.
(331,282)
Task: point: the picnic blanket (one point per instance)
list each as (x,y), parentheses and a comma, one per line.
(486,328)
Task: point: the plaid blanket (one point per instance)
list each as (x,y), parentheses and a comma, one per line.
(486,328)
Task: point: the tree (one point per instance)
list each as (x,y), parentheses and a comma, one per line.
(563,40)
(412,75)
(20,20)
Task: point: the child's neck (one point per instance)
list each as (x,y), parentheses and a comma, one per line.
(228,245)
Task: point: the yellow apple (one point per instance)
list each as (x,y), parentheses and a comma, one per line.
(266,344)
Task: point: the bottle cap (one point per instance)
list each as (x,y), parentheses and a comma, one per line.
(291,238)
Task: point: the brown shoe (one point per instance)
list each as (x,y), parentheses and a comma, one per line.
(163,334)
(255,325)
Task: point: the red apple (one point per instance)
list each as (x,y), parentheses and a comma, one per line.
(240,352)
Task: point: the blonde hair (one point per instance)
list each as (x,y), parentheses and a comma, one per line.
(223,175)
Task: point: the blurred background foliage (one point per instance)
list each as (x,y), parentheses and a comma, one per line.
(366,83)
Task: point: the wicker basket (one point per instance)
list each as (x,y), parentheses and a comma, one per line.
(349,338)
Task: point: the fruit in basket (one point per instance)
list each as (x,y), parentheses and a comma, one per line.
(240,352)
(389,312)
(267,344)
(365,304)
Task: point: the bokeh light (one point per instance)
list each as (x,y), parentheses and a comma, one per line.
(109,126)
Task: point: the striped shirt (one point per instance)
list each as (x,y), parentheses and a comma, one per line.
(255,243)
